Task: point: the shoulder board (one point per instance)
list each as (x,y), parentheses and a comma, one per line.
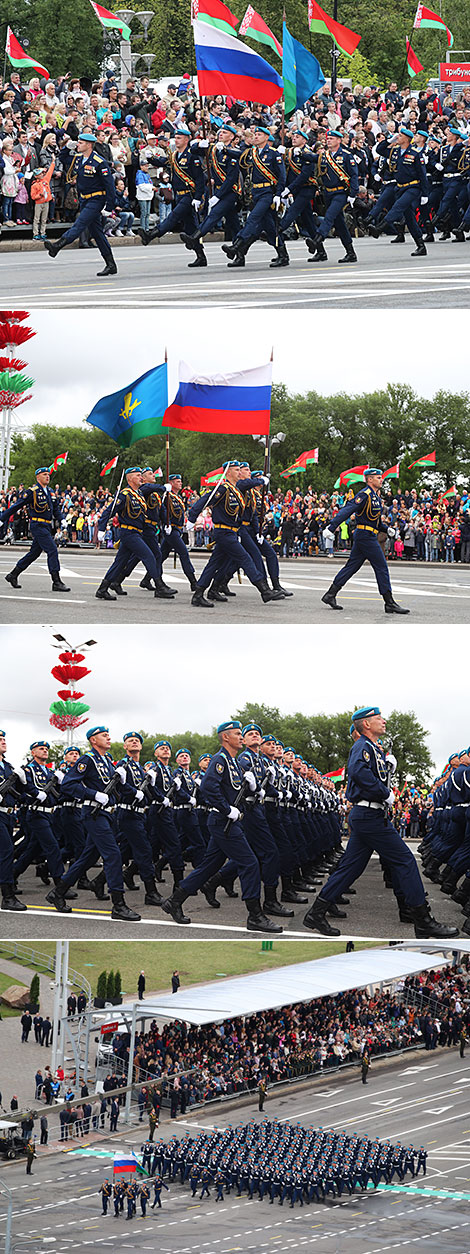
(98,158)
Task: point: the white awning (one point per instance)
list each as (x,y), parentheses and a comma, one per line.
(303,981)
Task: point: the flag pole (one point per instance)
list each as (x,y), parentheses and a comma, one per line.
(334,53)
(167,459)
(408,46)
(267,464)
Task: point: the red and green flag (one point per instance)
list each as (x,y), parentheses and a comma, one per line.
(208,481)
(215,14)
(60,460)
(393,473)
(428,460)
(255,27)
(109,467)
(413,64)
(111,21)
(336,776)
(350,476)
(444,496)
(322,24)
(302,462)
(19,59)
(431,21)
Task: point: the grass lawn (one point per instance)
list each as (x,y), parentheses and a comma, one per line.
(196,961)
(6,981)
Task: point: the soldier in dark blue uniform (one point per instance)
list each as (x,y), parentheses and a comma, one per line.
(384,171)
(93,781)
(44,519)
(434,171)
(132,809)
(412,191)
(260,775)
(220,790)
(251,541)
(106,1191)
(264,166)
(41,796)
(163,831)
(172,518)
(367,508)
(186,809)
(451,157)
(96,191)
(152,494)
(337,175)
(131,509)
(187,181)
(224,171)
(463,198)
(9,799)
(368,790)
(228,506)
(302,183)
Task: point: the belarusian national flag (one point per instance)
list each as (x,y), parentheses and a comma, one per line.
(19,58)
(255,27)
(428,460)
(109,466)
(320,22)
(337,776)
(393,473)
(349,476)
(445,495)
(110,20)
(207,481)
(60,460)
(215,14)
(426,17)
(301,463)
(413,64)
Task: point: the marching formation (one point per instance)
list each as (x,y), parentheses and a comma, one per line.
(447,841)
(255,810)
(279,1161)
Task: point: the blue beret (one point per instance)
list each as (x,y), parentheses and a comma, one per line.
(232,725)
(144,468)
(425,134)
(270,739)
(404,130)
(176,475)
(351,729)
(452,755)
(182,750)
(279,742)
(2,733)
(288,749)
(88,136)
(298,131)
(160,744)
(372,470)
(243,464)
(43,470)
(454,130)
(152,764)
(70,749)
(251,727)
(127,735)
(92,731)
(133,470)
(226,465)
(183,130)
(336,133)
(227,126)
(365,711)
(204,755)
(264,130)
(40,744)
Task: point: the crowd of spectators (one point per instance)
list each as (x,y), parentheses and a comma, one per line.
(416,525)
(216,1060)
(40,122)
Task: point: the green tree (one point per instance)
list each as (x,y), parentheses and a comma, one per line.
(101,986)
(110,986)
(34,990)
(408,742)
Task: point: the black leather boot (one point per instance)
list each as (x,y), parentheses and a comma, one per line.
(215,593)
(9,900)
(348,258)
(391,606)
(172,905)
(329,597)
(118,589)
(257,921)
(12,579)
(128,873)
(102,593)
(427,927)
(264,590)
(121,911)
(200,600)
(279,588)
(273,906)
(56,897)
(110,268)
(57,585)
(152,896)
(289,893)
(209,889)
(98,886)
(162,590)
(316,919)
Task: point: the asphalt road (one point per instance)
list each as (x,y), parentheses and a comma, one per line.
(385,276)
(372,914)
(422,1102)
(433,593)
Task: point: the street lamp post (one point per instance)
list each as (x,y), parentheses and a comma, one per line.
(128,59)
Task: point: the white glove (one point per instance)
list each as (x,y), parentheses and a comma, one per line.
(251,780)
(121,771)
(177,782)
(167,487)
(167,531)
(152,775)
(281,149)
(265,479)
(260,540)
(101,535)
(196,205)
(59,776)
(220,146)
(139,796)
(189,525)
(351,200)
(203,143)
(289,795)
(192,801)
(296,151)
(270,771)
(327,534)
(102,798)
(213,200)
(172,142)
(166,803)
(424,200)
(234,814)
(390,800)
(261,794)
(287,197)
(438,166)
(392,761)
(280,794)
(276,203)
(41,796)
(193,142)
(21,775)
(377,178)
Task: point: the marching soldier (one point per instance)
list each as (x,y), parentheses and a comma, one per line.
(106,1191)
(132,811)
(337,174)
(412,191)
(172,517)
(96,191)
(44,518)
(158,1185)
(131,509)
(152,495)
(225,189)
(267,174)
(9,798)
(144,1196)
(228,506)
(302,183)
(367,508)
(41,796)
(187,181)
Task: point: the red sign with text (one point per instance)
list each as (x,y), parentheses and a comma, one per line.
(109,1027)
(456,73)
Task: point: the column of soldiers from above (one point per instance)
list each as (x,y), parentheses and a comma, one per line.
(152,520)
(445,850)
(254,809)
(274,1161)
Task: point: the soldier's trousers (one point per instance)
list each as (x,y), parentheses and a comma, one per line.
(6,849)
(228,552)
(301,212)
(132,828)
(232,845)
(225,209)
(102,841)
(40,832)
(149,535)
(369,833)
(43,542)
(334,217)
(365,548)
(175,544)
(89,219)
(405,206)
(132,545)
(261,219)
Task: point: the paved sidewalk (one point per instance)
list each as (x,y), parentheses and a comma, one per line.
(18,1063)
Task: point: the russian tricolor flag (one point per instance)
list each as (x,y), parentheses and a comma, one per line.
(125,1162)
(226,66)
(235,404)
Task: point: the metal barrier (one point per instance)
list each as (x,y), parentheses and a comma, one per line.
(36,958)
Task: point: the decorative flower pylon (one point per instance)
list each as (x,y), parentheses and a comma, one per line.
(67,713)
(14,386)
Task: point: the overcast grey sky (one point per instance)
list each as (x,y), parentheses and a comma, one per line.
(80,355)
(176,678)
